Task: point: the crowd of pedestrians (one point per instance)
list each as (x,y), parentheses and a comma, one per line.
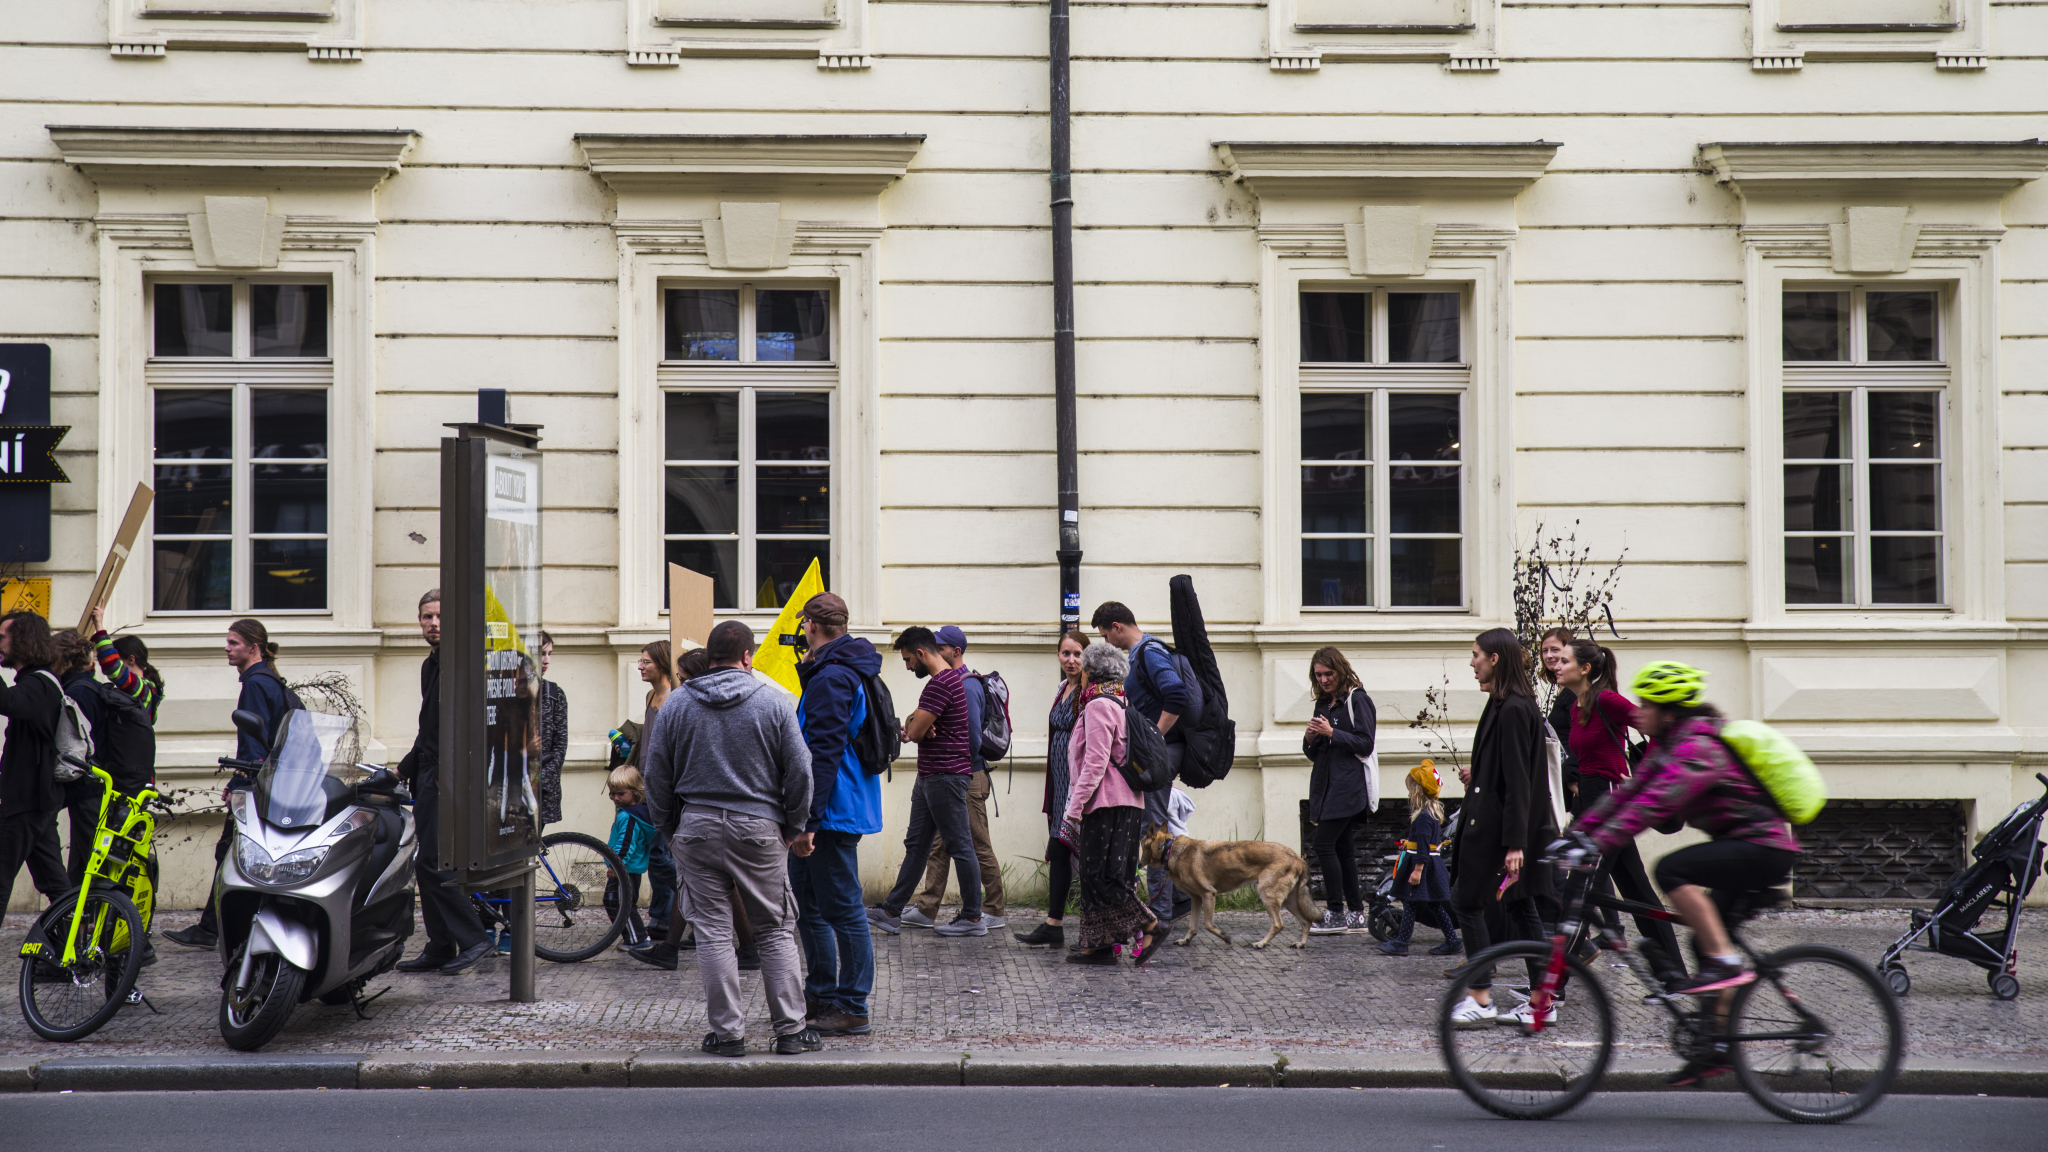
(741,810)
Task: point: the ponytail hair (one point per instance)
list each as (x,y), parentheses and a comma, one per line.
(256,636)
(135,652)
(1604,676)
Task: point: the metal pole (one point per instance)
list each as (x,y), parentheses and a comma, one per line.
(1063,321)
(522,942)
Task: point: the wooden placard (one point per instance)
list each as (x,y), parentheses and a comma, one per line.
(689,610)
(117,556)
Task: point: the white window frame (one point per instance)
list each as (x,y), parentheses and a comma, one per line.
(1379,378)
(241,373)
(1860,377)
(1962,271)
(1472,259)
(750,377)
(658,255)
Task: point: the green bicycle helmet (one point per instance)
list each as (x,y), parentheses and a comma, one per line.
(1669,682)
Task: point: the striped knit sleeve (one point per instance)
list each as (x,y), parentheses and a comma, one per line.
(120,673)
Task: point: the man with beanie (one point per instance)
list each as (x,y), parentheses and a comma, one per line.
(726,749)
(846,804)
(924,912)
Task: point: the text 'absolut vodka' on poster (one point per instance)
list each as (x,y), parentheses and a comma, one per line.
(512,644)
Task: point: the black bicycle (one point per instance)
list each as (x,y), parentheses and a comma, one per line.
(571,919)
(1816,1038)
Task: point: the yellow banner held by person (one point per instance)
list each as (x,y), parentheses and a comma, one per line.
(776,659)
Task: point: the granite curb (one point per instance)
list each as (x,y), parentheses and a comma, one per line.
(988,1067)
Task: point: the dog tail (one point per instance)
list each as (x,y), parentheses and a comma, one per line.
(1300,902)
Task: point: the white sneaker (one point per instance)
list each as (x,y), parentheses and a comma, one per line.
(1525,1015)
(912,918)
(991,921)
(1471,1013)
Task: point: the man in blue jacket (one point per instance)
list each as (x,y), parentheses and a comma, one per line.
(846,804)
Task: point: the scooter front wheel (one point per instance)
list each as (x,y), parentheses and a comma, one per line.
(252,1018)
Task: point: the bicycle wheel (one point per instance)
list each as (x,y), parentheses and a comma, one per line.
(1523,1073)
(570,922)
(70,1002)
(1818,1036)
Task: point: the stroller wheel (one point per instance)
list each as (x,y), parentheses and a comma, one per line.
(1896,979)
(2004,985)
(1385,923)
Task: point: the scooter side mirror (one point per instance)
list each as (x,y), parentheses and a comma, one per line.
(249,724)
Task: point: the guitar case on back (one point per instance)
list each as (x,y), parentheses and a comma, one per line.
(1212,744)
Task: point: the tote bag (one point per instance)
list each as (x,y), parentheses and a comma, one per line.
(1370,763)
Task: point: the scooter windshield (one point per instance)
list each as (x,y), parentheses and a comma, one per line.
(293,785)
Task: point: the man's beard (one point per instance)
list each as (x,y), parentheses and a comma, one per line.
(921,671)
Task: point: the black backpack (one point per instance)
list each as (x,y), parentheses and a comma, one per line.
(1145,766)
(124,743)
(879,741)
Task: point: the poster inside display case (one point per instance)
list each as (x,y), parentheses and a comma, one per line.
(512,608)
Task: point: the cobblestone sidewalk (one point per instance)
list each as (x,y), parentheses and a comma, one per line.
(935,994)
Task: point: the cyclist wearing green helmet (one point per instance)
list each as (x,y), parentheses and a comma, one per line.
(1690,775)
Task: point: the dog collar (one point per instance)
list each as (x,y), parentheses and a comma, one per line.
(1166,853)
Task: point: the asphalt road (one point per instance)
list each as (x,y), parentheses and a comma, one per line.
(980,1119)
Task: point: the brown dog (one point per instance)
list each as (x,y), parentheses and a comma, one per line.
(1205,869)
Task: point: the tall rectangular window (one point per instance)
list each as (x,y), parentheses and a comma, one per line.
(239,380)
(1865,387)
(748,379)
(1382,447)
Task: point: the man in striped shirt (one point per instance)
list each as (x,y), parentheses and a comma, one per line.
(938,801)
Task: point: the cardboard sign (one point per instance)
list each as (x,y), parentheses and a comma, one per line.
(689,610)
(117,556)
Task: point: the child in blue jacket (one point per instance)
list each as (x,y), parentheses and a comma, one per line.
(639,846)
(1420,879)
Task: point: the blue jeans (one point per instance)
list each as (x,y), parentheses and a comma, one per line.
(832,923)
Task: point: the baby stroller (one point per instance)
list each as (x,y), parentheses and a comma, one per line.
(1382,911)
(2008,863)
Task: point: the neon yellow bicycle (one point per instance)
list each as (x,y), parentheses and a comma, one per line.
(80,959)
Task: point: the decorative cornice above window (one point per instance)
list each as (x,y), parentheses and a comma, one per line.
(351,159)
(1984,168)
(659,33)
(1324,168)
(843,165)
(1787,34)
(326,30)
(1462,35)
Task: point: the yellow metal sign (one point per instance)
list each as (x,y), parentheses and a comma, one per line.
(31,594)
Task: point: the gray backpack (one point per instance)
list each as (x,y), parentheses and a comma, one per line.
(74,736)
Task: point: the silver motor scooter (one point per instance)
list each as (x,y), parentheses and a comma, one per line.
(316,897)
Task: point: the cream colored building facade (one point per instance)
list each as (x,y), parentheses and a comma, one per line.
(1757,292)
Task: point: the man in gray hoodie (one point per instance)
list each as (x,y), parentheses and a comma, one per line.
(729,774)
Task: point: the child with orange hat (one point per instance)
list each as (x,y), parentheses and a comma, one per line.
(1420,881)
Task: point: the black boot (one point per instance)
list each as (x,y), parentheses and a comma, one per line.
(750,958)
(1052,935)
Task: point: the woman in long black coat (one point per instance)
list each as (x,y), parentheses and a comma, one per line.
(1339,741)
(1505,821)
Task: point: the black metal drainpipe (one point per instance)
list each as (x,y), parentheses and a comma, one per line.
(1063,322)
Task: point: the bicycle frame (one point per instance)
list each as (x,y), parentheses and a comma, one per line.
(1579,897)
(138,831)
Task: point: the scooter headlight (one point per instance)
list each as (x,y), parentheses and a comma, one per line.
(296,866)
(254,862)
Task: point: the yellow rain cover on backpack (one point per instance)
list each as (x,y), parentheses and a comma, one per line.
(1777,763)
